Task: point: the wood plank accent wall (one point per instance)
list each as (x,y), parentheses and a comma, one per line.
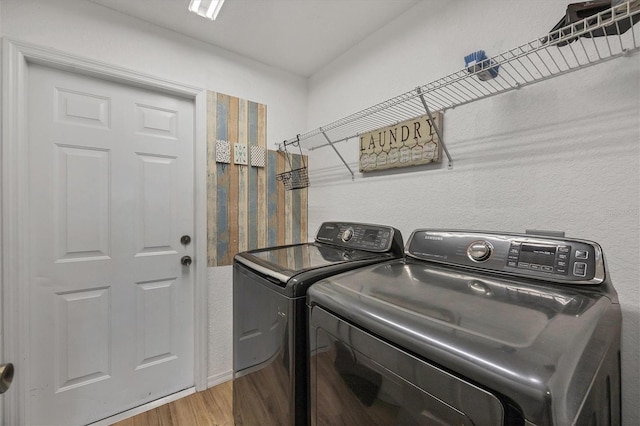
(247,207)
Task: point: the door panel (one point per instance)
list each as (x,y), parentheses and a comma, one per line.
(81,184)
(82,316)
(154,331)
(110,194)
(155,204)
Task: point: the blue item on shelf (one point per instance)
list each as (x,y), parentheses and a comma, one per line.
(477,62)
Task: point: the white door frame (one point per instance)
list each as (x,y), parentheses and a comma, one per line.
(14,251)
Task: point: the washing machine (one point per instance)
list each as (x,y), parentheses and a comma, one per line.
(269,316)
(470,328)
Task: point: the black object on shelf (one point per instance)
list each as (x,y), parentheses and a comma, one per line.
(578,11)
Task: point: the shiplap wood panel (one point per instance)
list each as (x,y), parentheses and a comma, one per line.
(247,207)
(252,205)
(281,212)
(212,179)
(234,202)
(261,179)
(221,239)
(272,199)
(244,177)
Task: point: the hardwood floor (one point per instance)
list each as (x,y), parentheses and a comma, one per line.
(212,407)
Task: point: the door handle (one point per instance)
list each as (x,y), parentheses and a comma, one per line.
(6,376)
(186,260)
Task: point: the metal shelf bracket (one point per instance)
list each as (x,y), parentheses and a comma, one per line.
(337,152)
(435,126)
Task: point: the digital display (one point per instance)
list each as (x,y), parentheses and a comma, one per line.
(540,255)
(370,235)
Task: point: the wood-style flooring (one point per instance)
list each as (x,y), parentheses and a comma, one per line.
(212,407)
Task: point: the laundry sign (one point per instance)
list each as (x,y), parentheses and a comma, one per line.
(409,143)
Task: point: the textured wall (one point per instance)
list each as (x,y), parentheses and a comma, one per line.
(220,324)
(562,154)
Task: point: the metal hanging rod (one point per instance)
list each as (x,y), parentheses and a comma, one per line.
(565,50)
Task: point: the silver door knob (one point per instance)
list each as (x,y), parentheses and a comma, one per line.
(6,376)
(186,260)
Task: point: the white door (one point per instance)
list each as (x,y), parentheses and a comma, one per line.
(110,195)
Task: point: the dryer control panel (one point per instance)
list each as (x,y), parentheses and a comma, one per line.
(555,259)
(375,238)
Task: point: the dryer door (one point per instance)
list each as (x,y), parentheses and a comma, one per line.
(358,379)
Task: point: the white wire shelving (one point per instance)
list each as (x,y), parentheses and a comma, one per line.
(596,39)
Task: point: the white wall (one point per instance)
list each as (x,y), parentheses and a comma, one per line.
(559,155)
(92,31)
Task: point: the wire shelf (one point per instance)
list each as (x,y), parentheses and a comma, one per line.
(565,50)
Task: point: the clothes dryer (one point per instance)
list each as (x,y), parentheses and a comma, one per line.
(269,316)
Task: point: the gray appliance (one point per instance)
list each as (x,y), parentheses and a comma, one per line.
(471,328)
(269,316)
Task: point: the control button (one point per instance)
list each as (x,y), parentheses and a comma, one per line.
(512,263)
(514,250)
(547,268)
(582,254)
(479,251)
(562,256)
(580,269)
(564,249)
(523,265)
(561,263)
(347,234)
(534,266)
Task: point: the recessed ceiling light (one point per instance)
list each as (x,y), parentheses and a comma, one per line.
(206,8)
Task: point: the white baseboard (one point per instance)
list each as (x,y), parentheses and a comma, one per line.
(142,408)
(219,378)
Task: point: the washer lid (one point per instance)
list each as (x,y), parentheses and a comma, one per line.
(504,333)
(283,263)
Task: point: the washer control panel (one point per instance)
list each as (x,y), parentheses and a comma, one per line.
(376,238)
(547,258)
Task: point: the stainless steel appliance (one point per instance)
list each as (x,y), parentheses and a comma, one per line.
(470,328)
(269,316)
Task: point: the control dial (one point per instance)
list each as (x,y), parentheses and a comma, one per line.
(347,234)
(479,251)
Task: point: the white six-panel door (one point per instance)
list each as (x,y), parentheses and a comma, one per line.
(110,195)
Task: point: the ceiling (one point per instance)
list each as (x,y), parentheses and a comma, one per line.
(299,36)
